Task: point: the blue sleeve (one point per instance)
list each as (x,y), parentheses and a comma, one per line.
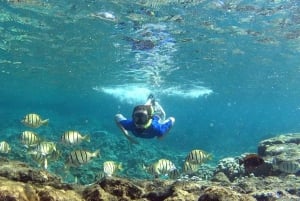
(162,128)
(127,124)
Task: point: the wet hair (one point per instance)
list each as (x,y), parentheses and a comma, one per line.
(142,114)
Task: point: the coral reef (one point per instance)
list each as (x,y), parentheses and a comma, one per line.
(19,181)
(230,167)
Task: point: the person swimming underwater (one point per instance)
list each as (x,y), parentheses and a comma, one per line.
(148,121)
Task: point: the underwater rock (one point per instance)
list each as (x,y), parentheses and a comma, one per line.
(95,192)
(282,153)
(217,193)
(265,146)
(18,181)
(230,167)
(121,187)
(22,191)
(18,171)
(220,177)
(270,188)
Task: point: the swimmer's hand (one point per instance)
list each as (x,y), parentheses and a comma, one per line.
(125,133)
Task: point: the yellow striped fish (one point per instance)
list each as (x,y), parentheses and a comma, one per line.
(162,166)
(290,167)
(44,148)
(4,147)
(110,167)
(29,138)
(34,120)
(42,159)
(174,174)
(38,157)
(197,156)
(79,157)
(73,137)
(190,168)
(100,176)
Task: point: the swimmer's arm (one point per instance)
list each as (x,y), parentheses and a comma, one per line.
(125,132)
(172,121)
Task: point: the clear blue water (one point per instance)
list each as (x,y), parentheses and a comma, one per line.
(228,71)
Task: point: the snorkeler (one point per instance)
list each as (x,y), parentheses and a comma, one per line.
(148,121)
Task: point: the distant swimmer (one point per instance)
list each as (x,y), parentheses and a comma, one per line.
(105,16)
(148,121)
(34,120)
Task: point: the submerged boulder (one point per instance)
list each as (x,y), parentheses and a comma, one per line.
(282,152)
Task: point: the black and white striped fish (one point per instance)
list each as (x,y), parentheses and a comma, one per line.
(174,174)
(197,156)
(160,167)
(29,139)
(4,147)
(110,167)
(43,159)
(74,137)
(189,168)
(79,157)
(34,120)
(290,167)
(44,148)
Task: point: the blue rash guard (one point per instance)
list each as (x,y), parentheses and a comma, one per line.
(156,129)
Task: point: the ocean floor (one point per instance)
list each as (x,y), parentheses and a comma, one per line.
(275,176)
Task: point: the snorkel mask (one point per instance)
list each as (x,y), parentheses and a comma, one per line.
(142,116)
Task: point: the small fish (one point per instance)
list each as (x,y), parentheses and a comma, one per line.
(34,120)
(44,148)
(197,156)
(74,137)
(150,169)
(4,147)
(79,157)
(290,167)
(174,174)
(29,139)
(110,167)
(100,176)
(190,168)
(42,159)
(162,166)
(38,157)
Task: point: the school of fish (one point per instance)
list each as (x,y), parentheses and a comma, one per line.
(42,151)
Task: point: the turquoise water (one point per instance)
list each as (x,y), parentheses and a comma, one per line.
(228,71)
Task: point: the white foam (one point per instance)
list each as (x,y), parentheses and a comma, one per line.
(195,92)
(135,94)
(128,93)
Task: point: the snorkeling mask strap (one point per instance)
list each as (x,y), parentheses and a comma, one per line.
(148,124)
